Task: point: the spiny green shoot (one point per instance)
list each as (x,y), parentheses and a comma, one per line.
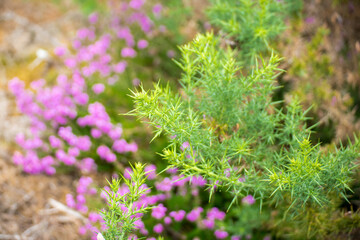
(121,215)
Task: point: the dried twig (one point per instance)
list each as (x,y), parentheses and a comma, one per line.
(12,237)
(35,229)
(66,209)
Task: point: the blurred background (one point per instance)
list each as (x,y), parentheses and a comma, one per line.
(320,44)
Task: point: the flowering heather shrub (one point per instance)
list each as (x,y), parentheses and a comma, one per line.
(69,122)
(170,205)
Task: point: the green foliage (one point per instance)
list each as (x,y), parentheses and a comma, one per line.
(87,6)
(305,176)
(253,23)
(121,214)
(224,127)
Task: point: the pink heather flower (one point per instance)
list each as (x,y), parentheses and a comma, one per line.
(77,44)
(142,44)
(103,125)
(102,151)
(165,185)
(82,208)
(249,199)
(37,85)
(128,52)
(98,88)
(184,146)
(110,157)
(115,133)
(70,201)
(194,214)
(178,216)
(158,228)
(136,4)
(105,59)
(172,170)
(120,146)
(70,62)
(197,181)
(179,181)
(84,143)
(60,51)
(235,238)
(136,82)
(220,234)
(47,160)
(209,223)
(92,191)
(83,185)
(194,192)
(93,18)
(55,142)
(333,101)
(132,147)
(69,160)
(139,224)
(215,213)
(167,220)
(112,80)
(73,152)
(310,20)
(81,99)
(127,173)
(159,211)
(50,170)
(120,67)
(60,154)
(82,33)
(157,9)
(171,53)
(150,171)
(144,21)
(227,172)
(80,199)
(16,86)
(94,217)
(96,133)
(87,165)
(144,231)
(82,230)
(125,33)
(18,158)
(88,71)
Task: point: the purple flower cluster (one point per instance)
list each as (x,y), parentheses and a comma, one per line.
(78,202)
(165,190)
(83,188)
(53,110)
(156,197)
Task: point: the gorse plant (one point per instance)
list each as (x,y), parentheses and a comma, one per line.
(123,212)
(254,24)
(225,127)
